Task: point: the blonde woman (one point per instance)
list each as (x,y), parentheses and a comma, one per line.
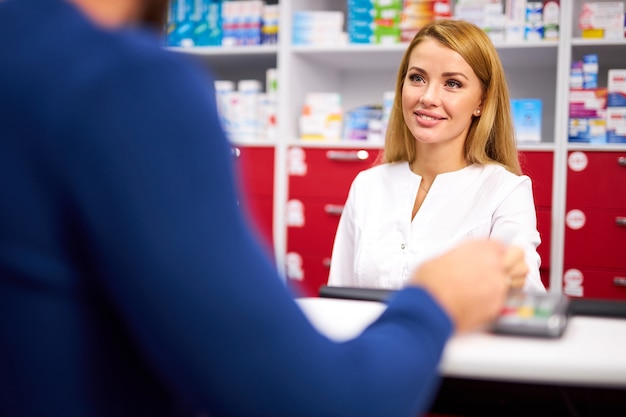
(449,170)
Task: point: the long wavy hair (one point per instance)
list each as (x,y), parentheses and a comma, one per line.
(491,137)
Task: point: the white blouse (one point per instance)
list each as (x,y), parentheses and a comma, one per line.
(378,246)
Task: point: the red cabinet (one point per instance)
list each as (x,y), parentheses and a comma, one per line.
(255,170)
(538,165)
(595,225)
(319,181)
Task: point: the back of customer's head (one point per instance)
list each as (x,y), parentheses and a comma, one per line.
(148,13)
(491,136)
(154,13)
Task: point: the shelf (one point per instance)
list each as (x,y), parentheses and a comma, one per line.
(234,62)
(344,144)
(611,52)
(353,56)
(253,143)
(593,147)
(357,144)
(541,146)
(372,56)
(598,42)
(222,51)
(539,55)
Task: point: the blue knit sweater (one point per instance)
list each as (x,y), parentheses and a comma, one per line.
(130,284)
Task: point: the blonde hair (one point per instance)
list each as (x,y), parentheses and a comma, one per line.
(491,137)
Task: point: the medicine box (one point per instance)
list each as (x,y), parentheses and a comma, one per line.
(584,130)
(617,88)
(589,104)
(616,125)
(607,16)
(527,119)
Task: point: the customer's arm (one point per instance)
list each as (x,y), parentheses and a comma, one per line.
(207,308)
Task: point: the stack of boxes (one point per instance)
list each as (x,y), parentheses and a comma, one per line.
(242,22)
(486,14)
(597,114)
(221,23)
(194,23)
(512,20)
(374,21)
(364,123)
(587,102)
(392,21)
(270,24)
(387,21)
(417,13)
(602,20)
(360,24)
(247,113)
(616,107)
(322,117)
(318,28)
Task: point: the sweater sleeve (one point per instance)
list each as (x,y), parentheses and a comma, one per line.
(155,190)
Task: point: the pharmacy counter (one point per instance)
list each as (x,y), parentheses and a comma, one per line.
(591,352)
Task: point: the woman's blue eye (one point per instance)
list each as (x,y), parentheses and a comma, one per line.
(453,84)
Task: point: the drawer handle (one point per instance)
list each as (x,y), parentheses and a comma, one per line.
(326,262)
(333,209)
(619,281)
(621,161)
(620,221)
(361,155)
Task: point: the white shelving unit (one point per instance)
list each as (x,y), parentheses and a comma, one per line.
(361,73)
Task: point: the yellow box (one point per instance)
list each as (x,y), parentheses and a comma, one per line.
(593,33)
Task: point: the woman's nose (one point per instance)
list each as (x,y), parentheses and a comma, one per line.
(430,96)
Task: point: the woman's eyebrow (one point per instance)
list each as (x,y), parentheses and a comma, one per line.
(445,74)
(455,74)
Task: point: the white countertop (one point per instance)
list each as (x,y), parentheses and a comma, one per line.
(591,352)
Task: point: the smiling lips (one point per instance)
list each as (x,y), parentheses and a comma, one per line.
(428,117)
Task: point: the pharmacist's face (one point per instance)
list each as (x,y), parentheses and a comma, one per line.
(441,94)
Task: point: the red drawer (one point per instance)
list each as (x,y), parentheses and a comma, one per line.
(326,172)
(596,180)
(538,166)
(255,166)
(544,227)
(595,238)
(312,231)
(255,170)
(259,210)
(307,273)
(594,283)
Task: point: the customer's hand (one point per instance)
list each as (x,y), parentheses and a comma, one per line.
(470,281)
(516,267)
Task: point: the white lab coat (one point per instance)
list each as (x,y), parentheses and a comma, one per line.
(378,246)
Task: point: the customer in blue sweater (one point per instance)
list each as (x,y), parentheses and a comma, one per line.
(130,284)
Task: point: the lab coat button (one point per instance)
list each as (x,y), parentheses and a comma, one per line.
(402,246)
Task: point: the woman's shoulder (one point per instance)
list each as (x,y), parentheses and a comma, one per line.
(500,171)
(499,175)
(383,172)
